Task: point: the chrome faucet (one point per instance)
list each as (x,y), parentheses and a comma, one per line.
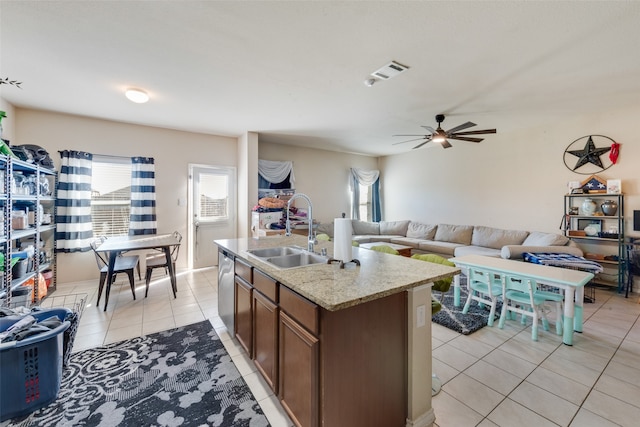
(312,240)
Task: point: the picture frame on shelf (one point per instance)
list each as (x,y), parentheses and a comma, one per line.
(614,186)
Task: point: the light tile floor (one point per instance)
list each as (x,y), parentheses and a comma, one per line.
(492,377)
(497,377)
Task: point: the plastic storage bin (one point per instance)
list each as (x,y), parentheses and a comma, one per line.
(31,369)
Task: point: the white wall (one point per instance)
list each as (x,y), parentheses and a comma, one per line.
(513,180)
(172,151)
(247,184)
(320,174)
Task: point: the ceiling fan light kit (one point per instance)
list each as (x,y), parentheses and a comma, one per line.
(442,137)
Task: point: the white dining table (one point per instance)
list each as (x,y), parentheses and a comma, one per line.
(570,281)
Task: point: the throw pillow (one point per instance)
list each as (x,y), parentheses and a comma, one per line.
(417,230)
(537,238)
(496,238)
(396,228)
(364,227)
(454,233)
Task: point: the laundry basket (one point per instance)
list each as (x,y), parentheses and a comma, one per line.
(31,369)
(75,303)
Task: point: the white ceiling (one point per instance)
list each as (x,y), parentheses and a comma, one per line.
(294,71)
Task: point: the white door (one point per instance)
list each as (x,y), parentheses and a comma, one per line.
(212,209)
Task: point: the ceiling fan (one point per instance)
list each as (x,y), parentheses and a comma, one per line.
(442,137)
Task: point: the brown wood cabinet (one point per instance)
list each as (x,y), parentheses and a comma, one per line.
(244,314)
(328,368)
(265,328)
(299,352)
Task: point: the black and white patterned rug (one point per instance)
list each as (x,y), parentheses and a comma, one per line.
(452,317)
(181,377)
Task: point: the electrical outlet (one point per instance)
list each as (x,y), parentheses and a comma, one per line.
(421,316)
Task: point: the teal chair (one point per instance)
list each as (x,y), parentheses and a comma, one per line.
(485,288)
(521,296)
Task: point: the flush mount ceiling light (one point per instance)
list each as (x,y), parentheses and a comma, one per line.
(136,95)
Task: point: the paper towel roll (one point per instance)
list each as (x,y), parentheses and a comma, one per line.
(342,247)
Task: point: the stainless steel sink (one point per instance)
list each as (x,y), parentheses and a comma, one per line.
(287,256)
(297,260)
(275,252)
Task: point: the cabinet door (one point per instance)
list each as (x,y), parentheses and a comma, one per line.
(265,338)
(298,372)
(243,314)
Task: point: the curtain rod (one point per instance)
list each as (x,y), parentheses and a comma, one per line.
(112,156)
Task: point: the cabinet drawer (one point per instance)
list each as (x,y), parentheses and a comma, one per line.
(243,270)
(266,285)
(302,310)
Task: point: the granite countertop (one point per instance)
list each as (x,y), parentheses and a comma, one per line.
(379,274)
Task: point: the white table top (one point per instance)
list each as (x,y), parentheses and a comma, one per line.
(542,273)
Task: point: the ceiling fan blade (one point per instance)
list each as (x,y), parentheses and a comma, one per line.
(476,132)
(460,127)
(467,138)
(445,144)
(402,142)
(421,144)
(414,134)
(429,129)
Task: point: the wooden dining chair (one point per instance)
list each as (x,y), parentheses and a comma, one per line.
(159,260)
(124,264)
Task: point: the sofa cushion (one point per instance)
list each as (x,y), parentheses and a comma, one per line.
(418,230)
(537,238)
(476,250)
(496,238)
(368,238)
(398,228)
(365,227)
(454,233)
(440,248)
(407,241)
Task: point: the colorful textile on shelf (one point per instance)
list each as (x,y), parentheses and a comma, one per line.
(563,260)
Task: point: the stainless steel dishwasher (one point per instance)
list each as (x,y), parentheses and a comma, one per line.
(226,289)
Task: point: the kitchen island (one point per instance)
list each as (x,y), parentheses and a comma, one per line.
(339,347)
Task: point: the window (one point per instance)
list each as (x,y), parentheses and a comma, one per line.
(213,189)
(110,195)
(364,205)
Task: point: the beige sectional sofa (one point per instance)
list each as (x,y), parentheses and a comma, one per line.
(450,240)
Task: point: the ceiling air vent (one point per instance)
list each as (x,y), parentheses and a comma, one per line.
(392,69)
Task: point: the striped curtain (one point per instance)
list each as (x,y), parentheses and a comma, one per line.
(143,197)
(74,231)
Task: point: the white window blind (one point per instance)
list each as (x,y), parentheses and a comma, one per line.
(214,197)
(110,195)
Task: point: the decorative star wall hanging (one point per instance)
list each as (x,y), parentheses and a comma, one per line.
(589,157)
